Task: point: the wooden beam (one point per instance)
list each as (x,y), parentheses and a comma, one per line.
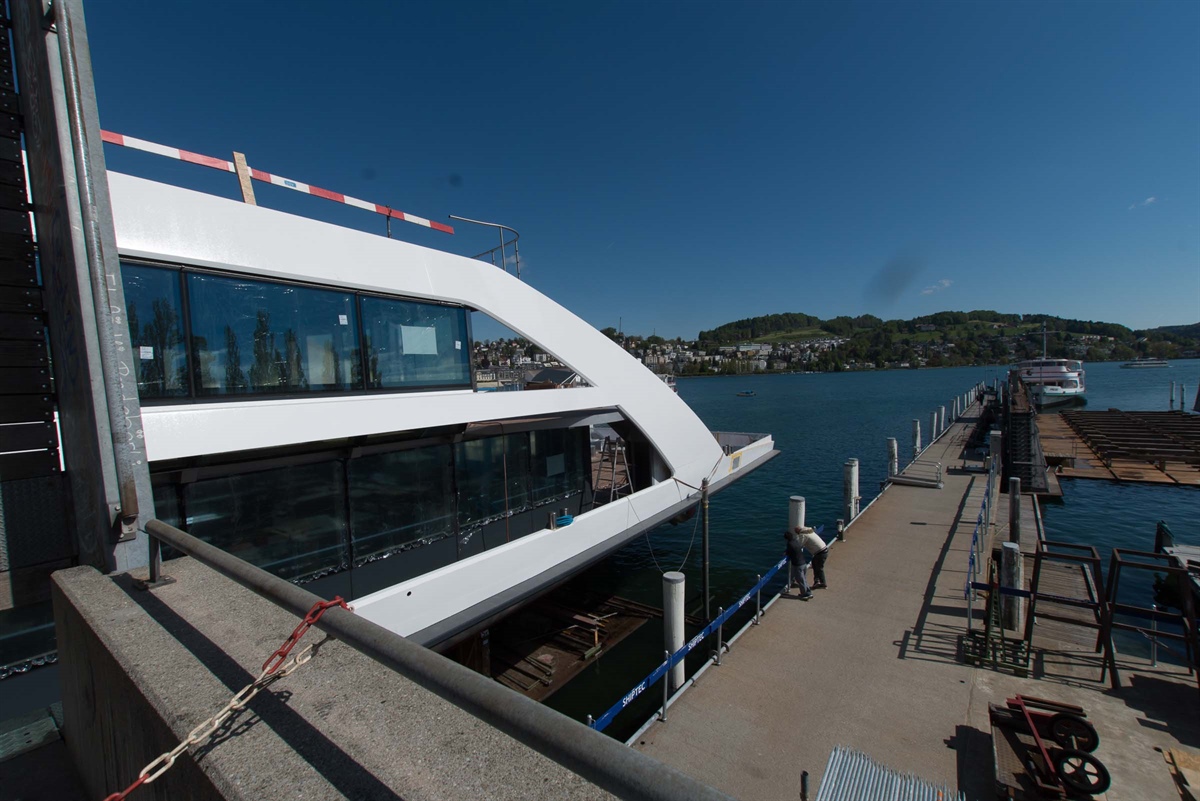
(243,174)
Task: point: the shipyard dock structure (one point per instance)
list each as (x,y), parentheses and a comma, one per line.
(907,658)
(254,559)
(898,661)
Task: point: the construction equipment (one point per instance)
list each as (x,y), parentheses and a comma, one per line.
(1044,748)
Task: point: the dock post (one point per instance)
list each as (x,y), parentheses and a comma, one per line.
(850,489)
(704,548)
(893,457)
(1014,510)
(841,530)
(1011,578)
(796,505)
(941,420)
(917,437)
(933,428)
(662,716)
(1181,396)
(996,454)
(1171,402)
(757,598)
(804,785)
(1196,405)
(720,635)
(673,632)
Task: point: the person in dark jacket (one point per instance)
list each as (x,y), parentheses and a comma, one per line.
(797,564)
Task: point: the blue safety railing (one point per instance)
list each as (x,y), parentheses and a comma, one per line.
(715,627)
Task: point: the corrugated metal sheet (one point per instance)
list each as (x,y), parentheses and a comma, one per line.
(854,776)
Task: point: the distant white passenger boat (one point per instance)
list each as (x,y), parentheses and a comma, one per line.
(1053,382)
(1146,361)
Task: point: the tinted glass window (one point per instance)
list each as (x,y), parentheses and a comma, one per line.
(256,337)
(484,491)
(399,498)
(290,521)
(556,463)
(155,314)
(413,344)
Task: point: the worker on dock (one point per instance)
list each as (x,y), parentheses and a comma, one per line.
(803,547)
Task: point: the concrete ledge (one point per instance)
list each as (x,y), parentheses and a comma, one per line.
(141,669)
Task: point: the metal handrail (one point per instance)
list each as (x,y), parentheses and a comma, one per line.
(670,660)
(981,525)
(715,627)
(601,760)
(501,247)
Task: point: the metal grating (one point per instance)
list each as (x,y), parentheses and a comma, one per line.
(854,776)
(27,733)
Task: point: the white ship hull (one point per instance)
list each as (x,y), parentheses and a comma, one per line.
(160,224)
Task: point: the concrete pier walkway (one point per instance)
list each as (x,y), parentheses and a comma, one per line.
(872,663)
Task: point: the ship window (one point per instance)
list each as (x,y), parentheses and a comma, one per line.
(492,477)
(289,521)
(400,498)
(413,344)
(255,337)
(154,312)
(557,463)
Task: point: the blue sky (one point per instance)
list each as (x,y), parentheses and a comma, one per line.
(681,165)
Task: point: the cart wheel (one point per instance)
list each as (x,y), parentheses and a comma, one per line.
(1081,771)
(1072,731)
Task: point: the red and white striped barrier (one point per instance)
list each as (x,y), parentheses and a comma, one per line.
(287,183)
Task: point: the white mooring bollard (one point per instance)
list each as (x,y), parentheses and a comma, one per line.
(1171,403)
(795,512)
(850,489)
(941,420)
(917,436)
(673,632)
(893,457)
(933,426)
(1011,576)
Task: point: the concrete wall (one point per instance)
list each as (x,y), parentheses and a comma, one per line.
(113,727)
(142,669)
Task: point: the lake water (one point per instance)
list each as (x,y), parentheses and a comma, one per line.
(818,422)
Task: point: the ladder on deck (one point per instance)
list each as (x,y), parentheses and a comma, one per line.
(612,452)
(990,645)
